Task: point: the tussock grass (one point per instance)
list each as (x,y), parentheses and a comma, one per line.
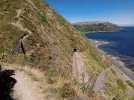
(33,77)
(44,20)
(115,87)
(113,71)
(121,84)
(130,83)
(94,67)
(66,91)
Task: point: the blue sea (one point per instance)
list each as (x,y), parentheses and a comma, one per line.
(121,44)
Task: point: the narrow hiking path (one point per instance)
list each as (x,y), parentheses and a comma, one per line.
(79,71)
(79,68)
(99,84)
(26,88)
(20,26)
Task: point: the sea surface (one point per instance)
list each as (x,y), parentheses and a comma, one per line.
(121,44)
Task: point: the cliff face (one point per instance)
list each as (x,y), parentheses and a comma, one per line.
(96,26)
(48,41)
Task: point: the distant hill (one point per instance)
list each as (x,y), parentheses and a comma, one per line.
(96,26)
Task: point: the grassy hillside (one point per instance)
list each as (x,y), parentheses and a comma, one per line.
(49,44)
(96,26)
(52,38)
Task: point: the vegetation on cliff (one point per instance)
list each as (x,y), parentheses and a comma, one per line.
(96,26)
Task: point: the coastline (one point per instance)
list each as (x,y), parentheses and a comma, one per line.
(119,65)
(98,32)
(102,31)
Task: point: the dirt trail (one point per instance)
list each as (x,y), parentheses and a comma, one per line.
(19,25)
(79,68)
(99,85)
(24,89)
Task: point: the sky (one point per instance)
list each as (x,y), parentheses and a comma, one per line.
(120,12)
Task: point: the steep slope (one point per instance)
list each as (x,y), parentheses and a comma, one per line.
(96,26)
(49,41)
(50,38)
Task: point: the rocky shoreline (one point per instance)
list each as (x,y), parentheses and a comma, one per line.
(126,60)
(115,60)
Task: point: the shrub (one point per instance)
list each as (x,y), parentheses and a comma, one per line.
(121,84)
(51,76)
(130,83)
(51,72)
(44,20)
(66,91)
(113,71)
(61,19)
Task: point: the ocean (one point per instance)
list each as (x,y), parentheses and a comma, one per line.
(121,44)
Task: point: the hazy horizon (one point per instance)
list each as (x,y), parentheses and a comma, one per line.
(119,12)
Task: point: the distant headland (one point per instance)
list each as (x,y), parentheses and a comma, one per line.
(96,26)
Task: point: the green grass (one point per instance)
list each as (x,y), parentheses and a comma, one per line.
(51,76)
(132,98)
(115,88)
(61,19)
(51,72)
(44,20)
(121,84)
(113,71)
(33,77)
(96,58)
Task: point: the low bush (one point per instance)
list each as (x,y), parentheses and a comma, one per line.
(130,83)
(66,91)
(121,84)
(44,20)
(113,71)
